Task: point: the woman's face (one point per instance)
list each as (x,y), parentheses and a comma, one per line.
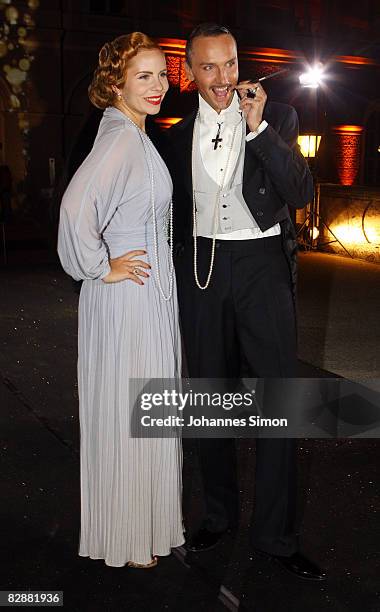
(146,83)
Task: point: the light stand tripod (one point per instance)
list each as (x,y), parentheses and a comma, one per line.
(308,232)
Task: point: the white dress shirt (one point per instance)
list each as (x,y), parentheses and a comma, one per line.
(215,160)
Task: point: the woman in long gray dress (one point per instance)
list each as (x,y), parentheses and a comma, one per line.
(113,235)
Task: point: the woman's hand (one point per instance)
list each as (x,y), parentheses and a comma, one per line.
(126,267)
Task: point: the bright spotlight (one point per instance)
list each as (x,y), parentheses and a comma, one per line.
(313,77)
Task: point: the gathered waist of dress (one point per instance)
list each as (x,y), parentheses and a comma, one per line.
(138,238)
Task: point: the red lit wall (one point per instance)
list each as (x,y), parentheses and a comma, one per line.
(348,149)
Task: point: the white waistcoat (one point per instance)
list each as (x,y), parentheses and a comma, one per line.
(233,212)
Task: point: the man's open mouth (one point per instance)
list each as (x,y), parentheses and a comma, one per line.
(221,92)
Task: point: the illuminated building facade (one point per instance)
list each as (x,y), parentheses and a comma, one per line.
(48,50)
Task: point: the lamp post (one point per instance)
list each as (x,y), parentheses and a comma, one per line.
(309,144)
(309,229)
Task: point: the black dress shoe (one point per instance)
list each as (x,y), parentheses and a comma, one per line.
(298,565)
(203,540)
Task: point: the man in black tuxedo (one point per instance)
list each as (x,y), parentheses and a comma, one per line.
(237,167)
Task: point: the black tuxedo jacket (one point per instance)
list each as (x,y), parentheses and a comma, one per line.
(276,175)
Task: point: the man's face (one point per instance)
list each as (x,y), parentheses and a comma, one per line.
(214,68)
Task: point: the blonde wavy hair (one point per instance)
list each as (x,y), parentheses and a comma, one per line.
(112,68)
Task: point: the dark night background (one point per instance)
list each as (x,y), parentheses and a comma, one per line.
(48,51)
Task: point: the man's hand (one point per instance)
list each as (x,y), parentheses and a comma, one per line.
(126,267)
(252,108)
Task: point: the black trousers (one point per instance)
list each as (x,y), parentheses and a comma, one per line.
(244,323)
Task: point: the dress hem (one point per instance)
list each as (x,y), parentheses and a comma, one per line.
(162,554)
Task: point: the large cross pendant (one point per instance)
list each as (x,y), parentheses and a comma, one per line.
(217,140)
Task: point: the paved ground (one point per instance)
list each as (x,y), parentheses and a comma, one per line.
(339,322)
(339,492)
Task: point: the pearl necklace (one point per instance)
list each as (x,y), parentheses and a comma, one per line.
(145,142)
(196,150)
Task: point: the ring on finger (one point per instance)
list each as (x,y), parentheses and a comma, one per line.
(136,270)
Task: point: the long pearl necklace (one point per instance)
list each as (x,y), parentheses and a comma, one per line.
(145,141)
(196,150)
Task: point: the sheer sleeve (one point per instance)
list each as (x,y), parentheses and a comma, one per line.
(90,200)
(82,252)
